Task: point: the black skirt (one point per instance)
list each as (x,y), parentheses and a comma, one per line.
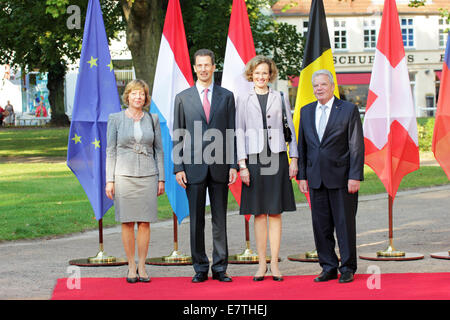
(270,190)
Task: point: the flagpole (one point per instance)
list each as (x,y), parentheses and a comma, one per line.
(309,256)
(248,256)
(101,259)
(175,258)
(390,253)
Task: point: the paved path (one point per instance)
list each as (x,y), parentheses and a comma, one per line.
(29,269)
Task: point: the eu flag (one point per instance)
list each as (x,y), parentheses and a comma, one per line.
(96,97)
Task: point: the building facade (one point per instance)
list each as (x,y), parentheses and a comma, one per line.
(353,28)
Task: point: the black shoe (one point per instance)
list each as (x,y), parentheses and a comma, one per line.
(261,278)
(221,276)
(325,276)
(142,279)
(132,280)
(346,277)
(277,278)
(200,277)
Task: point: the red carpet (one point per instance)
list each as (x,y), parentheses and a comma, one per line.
(401,286)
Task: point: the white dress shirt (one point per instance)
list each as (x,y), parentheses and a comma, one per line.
(201,90)
(329,104)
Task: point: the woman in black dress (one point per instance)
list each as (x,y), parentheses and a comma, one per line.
(262,156)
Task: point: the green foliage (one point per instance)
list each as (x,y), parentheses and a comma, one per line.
(35,33)
(425,128)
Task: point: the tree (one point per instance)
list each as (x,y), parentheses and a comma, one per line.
(144,21)
(36,36)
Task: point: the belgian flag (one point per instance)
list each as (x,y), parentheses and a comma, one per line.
(317,56)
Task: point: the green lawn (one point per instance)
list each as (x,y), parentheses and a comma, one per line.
(45,199)
(33,142)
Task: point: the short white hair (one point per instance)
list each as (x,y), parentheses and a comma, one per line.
(324,72)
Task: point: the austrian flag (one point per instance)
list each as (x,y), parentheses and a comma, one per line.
(390,128)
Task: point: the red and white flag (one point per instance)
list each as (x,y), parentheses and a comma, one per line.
(390,127)
(240,50)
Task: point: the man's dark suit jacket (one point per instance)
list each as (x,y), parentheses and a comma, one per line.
(188,111)
(340,155)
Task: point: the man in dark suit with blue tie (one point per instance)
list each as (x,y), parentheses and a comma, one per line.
(331,166)
(204,156)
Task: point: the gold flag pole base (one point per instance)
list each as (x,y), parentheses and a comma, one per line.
(175,258)
(101,259)
(391,254)
(309,256)
(247,255)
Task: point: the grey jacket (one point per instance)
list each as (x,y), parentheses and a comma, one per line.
(250,129)
(124,156)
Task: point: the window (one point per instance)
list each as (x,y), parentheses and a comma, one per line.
(370,34)
(407,32)
(305,24)
(443,27)
(340,34)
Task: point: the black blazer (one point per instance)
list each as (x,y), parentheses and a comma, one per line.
(340,155)
(190,143)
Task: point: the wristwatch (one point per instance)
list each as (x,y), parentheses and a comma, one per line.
(242,166)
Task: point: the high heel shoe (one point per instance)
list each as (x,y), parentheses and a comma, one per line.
(142,279)
(277,278)
(260,278)
(132,280)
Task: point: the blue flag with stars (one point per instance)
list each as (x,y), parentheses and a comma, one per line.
(96,96)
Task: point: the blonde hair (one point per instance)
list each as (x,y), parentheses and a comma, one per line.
(136,85)
(256,61)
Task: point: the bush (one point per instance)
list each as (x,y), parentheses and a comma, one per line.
(425,127)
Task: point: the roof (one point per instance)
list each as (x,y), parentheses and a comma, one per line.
(355,7)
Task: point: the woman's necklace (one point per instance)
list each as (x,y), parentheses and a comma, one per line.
(136,117)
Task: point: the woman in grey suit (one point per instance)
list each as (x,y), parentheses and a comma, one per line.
(264,167)
(135,173)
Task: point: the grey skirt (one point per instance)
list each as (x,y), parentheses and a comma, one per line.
(135,199)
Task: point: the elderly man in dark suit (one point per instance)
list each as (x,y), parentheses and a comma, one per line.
(331,166)
(205,158)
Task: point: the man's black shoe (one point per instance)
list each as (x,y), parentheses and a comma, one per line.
(346,277)
(200,277)
(221,276)
(325,276)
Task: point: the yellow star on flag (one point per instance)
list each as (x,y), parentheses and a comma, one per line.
(77,139)
(96,143)
(93,62)
(110,65)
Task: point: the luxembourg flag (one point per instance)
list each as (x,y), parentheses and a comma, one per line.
(239,50)
(390,128)
(173,74)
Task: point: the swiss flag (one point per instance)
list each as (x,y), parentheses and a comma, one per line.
(240,50)
(390,127)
